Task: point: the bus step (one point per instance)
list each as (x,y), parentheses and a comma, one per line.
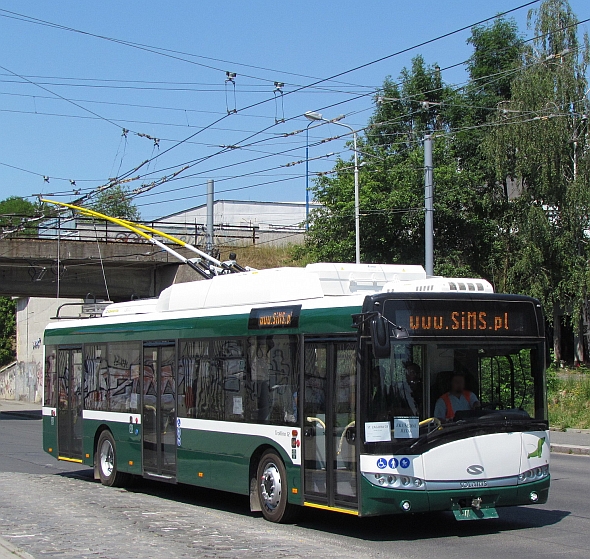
(160,477)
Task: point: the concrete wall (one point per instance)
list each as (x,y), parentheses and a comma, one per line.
(7,381)
(23,380)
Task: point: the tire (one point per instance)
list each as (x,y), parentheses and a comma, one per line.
(106,461)
(273,489)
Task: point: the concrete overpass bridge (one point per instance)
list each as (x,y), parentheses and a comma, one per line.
(70,257)
(48,267)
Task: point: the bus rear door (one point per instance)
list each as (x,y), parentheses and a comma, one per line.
(69,404)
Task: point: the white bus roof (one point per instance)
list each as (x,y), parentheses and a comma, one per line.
(283,285)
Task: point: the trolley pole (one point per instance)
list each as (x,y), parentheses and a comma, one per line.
(428,207)
(209,241)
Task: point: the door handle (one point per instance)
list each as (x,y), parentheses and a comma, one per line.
(351,435)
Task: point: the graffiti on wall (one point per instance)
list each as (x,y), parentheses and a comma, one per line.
(22,381)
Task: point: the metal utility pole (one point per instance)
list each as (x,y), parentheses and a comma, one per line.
(209,241)
(428,208)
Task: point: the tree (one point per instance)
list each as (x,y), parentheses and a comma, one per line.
(539,143)
(116,202)
(392,185)
(14,214)
(7,330)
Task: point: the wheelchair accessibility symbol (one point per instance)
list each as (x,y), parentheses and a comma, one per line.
(382,463)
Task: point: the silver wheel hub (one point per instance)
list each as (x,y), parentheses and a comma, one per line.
(107,458)
(270,486)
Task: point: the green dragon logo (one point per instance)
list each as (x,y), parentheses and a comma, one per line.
(539,451)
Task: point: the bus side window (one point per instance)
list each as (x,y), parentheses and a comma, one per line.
(50,380)
(96,395)
(192,372)
(274,379)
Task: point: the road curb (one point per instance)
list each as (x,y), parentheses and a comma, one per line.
(10,551)
(571,449)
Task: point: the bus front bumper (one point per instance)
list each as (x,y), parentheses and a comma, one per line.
(466,504)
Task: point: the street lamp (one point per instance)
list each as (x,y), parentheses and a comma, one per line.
(313,116)
(311,121)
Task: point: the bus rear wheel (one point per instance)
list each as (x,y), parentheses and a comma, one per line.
(106,458)
(272,489)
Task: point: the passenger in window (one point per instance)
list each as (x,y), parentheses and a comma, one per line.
(457,399)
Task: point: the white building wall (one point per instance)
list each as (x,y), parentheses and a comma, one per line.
(266,215)
(24,380)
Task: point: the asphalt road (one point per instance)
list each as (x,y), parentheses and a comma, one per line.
(53,509)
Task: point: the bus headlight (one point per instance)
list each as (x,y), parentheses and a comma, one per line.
(534,474)
(392,481)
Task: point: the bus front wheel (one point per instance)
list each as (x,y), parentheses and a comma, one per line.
(106,457)
(273,490)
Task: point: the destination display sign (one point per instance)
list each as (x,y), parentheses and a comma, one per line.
(431,317)
(274,317)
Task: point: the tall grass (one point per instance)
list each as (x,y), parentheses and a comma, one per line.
(569,401)
(264,256)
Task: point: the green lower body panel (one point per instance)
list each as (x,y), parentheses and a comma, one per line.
(127,440)
(50,435)
(223,461)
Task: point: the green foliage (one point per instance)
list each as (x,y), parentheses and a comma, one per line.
(392,177)
(14,212)
(539,142)
(511,167)
(7,330)
(116,202)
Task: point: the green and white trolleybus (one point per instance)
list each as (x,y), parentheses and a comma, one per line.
(312,387)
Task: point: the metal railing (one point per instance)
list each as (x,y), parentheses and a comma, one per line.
(81,228)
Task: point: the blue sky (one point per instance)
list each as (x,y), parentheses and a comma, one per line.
(65,97)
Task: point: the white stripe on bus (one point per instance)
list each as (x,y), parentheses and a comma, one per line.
(115,417)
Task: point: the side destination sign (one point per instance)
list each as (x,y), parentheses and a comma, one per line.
(274,317)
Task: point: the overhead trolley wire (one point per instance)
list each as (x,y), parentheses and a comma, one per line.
(317,82)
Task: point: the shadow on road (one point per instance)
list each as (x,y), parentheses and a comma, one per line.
(430,525)
(33,415)
(384,528)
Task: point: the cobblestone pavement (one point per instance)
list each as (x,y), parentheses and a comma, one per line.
(73,516)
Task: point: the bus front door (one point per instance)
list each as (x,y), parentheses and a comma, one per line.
(329,429)
(159,411)
(69,405)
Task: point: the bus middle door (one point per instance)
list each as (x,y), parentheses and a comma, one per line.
(329,428)
(159,411)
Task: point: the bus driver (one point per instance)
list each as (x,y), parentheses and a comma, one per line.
(457,399)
